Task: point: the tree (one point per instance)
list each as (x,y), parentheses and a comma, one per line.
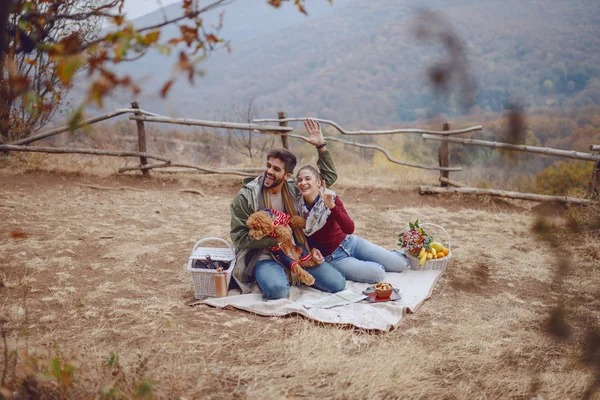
(34,30)
(565,177)
(46,88)
(244,141)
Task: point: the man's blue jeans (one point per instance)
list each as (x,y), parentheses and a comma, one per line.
(362,261)
(273,281)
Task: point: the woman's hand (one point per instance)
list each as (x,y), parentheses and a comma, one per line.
(317,256)
(327,197)
(315,135)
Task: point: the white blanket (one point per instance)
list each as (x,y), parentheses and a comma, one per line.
(414,286)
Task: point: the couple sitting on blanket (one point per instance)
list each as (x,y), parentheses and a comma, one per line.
(329,230)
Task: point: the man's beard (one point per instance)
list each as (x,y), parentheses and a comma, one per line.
(274,184)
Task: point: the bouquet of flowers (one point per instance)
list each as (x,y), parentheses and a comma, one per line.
(414,239)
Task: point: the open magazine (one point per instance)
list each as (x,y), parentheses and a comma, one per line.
(335,299)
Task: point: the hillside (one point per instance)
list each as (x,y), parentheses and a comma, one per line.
(358,61)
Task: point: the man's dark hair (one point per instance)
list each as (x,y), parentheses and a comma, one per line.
(288,158)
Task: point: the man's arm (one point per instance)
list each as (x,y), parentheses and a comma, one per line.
(240,211)
(325,162)
(327,167)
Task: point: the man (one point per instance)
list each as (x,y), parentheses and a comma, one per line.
(277,189)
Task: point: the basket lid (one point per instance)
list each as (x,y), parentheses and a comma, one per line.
(215,253)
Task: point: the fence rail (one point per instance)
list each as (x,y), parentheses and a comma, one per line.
(63,150)
(504,193)
(104,117)
(518,147)
(452,182)
(207,170)
(214,124)
(384,151)
(379,132)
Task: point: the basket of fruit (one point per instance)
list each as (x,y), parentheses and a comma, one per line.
(422,251)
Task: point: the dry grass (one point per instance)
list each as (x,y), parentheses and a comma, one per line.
(93,272)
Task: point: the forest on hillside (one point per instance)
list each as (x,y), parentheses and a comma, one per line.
(362,63)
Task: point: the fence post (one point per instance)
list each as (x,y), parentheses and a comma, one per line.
(284,138)
(141,138)
(444,156)
(594,186)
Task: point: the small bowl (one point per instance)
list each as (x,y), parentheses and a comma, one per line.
(383,294)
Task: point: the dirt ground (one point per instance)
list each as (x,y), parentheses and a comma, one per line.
(94,278)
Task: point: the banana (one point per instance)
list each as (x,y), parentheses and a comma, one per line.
(422,252)
(437,246)
(429,256)
(433,251)
(423,259)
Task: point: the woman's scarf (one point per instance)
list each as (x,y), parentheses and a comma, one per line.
(316,217)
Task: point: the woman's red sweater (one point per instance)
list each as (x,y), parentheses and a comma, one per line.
(333,233)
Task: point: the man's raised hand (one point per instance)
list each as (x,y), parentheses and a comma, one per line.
(315,135)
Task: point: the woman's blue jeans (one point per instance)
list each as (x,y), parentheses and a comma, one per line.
(362,261)
(274,283)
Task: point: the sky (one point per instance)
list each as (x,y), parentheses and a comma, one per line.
(137,8)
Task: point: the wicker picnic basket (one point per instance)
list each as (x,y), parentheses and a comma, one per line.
(434,263)
(204,279)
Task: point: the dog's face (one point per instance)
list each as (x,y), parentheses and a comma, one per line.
(260,225)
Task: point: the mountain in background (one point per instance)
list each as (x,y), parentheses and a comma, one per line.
(358,63)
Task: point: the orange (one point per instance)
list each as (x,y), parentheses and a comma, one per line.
(446,251)
(441,254)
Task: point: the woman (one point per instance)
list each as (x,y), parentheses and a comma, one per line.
(330,230)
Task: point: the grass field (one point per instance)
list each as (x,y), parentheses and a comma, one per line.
(94,298)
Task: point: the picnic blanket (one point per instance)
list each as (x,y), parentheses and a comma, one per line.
(414,288)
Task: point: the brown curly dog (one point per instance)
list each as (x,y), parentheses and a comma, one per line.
(262,224)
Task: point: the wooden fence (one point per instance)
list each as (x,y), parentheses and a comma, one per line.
(141,117)
(445,136)
(450,186)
